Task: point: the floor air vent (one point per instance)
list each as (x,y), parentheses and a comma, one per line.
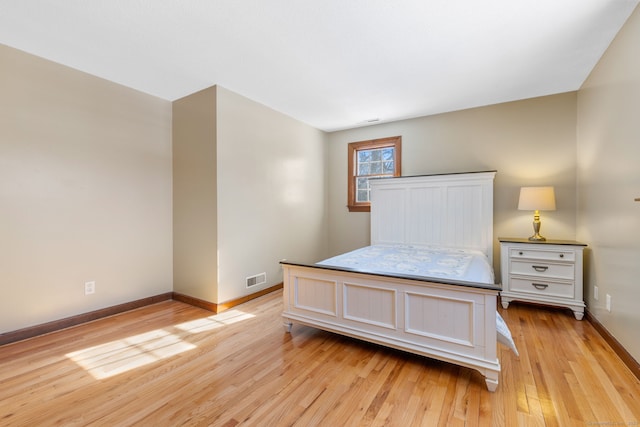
(256,280)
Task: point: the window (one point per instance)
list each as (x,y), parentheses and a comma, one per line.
(370,159)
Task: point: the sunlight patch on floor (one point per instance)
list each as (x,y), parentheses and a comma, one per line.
(213,322)
(115,357)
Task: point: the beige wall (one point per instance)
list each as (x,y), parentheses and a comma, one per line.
(195,204)
(85,192)
(271,193)
(608,181)
(530,142)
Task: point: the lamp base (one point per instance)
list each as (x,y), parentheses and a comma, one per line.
(536,228)
(537,238)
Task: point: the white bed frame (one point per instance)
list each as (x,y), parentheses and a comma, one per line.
(447,320)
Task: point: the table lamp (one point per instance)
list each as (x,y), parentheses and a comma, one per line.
(537,199)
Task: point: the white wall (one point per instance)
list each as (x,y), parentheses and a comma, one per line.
(85,192)
(271,193)
(608,181)
(530,142)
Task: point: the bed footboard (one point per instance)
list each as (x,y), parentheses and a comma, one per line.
(448,322)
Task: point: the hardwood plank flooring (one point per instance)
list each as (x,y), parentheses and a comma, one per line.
(171,364)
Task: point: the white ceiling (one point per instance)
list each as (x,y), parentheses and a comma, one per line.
(333,64)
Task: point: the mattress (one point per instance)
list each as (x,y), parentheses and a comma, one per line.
(423,261)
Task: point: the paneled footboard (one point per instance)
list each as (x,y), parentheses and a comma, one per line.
(449,322)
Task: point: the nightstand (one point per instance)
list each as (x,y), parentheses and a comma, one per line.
(548,272)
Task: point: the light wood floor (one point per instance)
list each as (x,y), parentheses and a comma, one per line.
(172,364)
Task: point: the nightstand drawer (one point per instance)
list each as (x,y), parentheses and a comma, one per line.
(548,255)
(541,287)
(542,269)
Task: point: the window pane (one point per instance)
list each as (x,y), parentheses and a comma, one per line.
(376,168)
(387,154)
(364,155)
(388,167)
(362,196)
(376,155)
(362,183)
(364,169)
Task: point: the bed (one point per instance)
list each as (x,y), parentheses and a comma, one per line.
(425,285)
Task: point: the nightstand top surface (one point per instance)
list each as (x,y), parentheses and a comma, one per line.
(544,242)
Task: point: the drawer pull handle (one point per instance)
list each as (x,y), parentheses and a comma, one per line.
(520,253)
(561,255)
(540,268)
(540,286)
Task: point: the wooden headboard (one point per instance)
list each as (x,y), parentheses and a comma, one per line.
(452,210)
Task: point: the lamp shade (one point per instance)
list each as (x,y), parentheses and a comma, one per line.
(537,199)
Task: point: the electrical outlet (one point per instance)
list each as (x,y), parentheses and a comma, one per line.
(609,303)
(595,293)
(89,288)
